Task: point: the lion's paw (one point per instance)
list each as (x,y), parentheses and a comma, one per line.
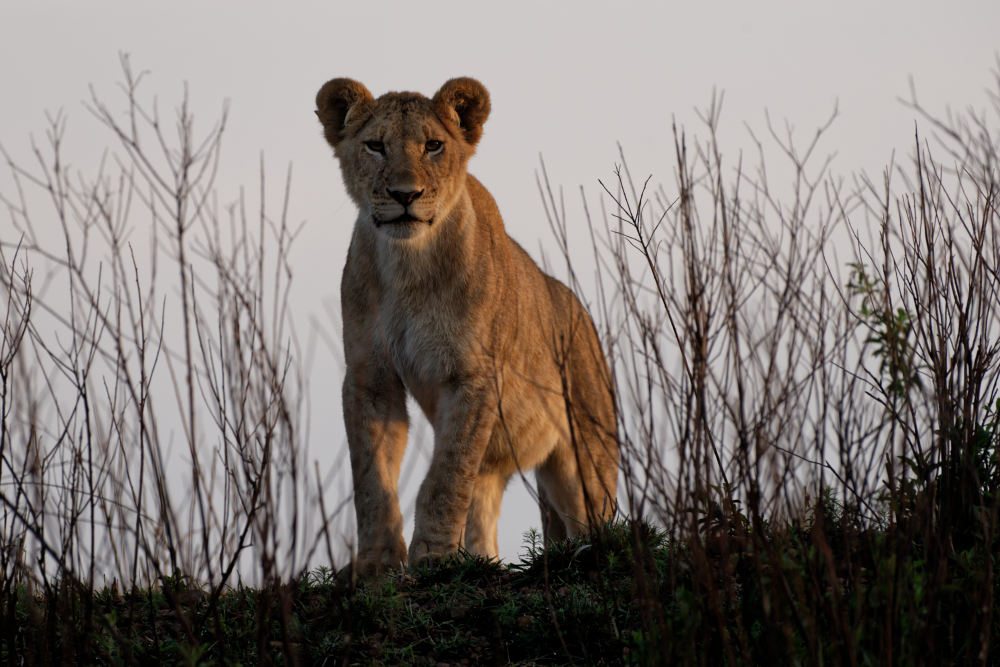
(423,552)
(374,562)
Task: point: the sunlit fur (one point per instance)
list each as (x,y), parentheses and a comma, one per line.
(440,303)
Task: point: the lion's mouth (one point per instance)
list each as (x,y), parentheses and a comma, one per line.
(403,219)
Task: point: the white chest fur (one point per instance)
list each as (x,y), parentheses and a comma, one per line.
(423,341)
(421,319)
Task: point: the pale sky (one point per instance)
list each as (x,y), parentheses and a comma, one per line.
(568,80)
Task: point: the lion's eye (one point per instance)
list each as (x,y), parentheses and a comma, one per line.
(375,146)
(433,146)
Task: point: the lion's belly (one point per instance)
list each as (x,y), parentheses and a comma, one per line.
(426,351)
(532,421)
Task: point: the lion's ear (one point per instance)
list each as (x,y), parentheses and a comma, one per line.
(340,104)
(466,103)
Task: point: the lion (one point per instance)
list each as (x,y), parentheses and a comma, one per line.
(439,302)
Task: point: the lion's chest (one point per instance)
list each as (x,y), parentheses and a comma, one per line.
(425,342)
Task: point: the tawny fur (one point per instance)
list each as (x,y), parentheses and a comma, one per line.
(439,302)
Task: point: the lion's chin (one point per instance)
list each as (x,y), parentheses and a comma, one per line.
(404,226)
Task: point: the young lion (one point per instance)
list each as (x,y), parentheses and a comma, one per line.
(439,301)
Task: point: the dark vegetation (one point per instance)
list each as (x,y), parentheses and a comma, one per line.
(823,592)
(807,376)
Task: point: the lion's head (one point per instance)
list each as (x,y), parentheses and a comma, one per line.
(403,156)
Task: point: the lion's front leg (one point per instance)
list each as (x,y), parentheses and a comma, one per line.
(461,435)
(481,524)
(377,424)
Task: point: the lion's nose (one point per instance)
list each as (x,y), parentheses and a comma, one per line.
(405,197)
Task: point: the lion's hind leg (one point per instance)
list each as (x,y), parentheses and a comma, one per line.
(553,527)
(577,488)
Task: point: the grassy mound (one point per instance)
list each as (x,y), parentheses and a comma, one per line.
(816,591)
